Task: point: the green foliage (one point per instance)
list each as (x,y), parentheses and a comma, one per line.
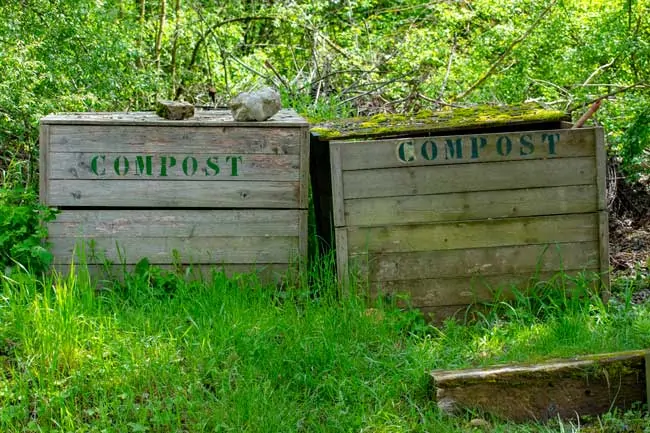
(634,144)
(22,230)
(330,59)
(159,353)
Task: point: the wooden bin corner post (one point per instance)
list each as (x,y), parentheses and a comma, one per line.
(338,216)
(603,214)
(208,190)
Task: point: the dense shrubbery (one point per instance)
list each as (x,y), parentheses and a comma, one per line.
(354,56)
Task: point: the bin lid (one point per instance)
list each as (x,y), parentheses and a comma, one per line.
(202,117)
(435,122)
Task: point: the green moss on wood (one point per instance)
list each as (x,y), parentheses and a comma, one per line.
(479,117)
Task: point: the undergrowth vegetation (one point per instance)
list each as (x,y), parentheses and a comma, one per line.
(156,352)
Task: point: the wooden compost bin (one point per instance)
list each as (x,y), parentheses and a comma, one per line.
(204,191)
(449,207)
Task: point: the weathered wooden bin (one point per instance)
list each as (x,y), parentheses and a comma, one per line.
(206,191)
(451,206)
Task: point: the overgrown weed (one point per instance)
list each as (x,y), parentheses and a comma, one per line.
(172,354)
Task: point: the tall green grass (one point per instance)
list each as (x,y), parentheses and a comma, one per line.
(159,353)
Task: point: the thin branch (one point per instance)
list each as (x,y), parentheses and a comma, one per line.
(608,95)
(597,71)
(508,51)
(361,95)
(555,86)
(248,68)
(279,77)
(211,29)
(451,58)
(439,101)
(159,33)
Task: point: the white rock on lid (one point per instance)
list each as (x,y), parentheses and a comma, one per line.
(258,105)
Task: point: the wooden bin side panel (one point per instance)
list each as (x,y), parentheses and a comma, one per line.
(244,237)
(151,194)
(489,176)
(467,149)
(473,205)
(457,232)
(452,291)
(147,166)
(477,262)
(474,234)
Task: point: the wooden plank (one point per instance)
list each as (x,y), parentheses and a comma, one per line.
(507,146)
(647,378)
(474,234)
(601,167)
(199,250)
(433,292)
(303,236)
(337,185)
(590,385)
(603,238)
(44,165)
(177,223)
(211,194)
(487,176)
(108,165)
(264,272)
(601,182)
(342,268)
(303,167)
(464,206)
(477,261)
(210,117)
(183,140)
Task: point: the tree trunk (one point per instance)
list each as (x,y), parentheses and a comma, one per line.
(177,31)
(159,33)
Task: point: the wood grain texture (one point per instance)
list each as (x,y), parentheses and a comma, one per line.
(202,118)
(304,164)
(44,163)
(589,385)
(601,182)
(474,234)
(601,167)
(477,261)
(464,206)
(135,138)
(342,259)
(186,166)
(372,154)
(198,250)
(337,185)
(200,194)
(303,237)
(264,272)
(469,177)
(177,223)
(603,233)
(468,290)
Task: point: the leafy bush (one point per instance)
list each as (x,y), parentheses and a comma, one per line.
(22,230)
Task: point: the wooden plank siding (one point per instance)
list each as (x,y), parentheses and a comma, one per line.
(206,191)
(478,216)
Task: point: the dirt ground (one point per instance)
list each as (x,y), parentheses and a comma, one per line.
(629,228)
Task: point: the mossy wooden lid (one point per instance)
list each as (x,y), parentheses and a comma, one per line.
(437,122)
